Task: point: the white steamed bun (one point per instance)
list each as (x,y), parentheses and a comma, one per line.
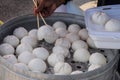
(100,18)
(76,72)
(55,58)
(23,47)
(79,44)
(43,31)
(72,37)
(25,57)
(10,58)
(59,24)
(112,25)
(37,65)
(93,67)
(33,33)
(6,49)
(91,43)
(74,28)
(29,40)
(83,33)
(20,32)
(47,32)
(61,50)
(41,53)
(61,32)
(12,40)
(62,68)
(81,55)
(51,37)
(64,42)
(97,59)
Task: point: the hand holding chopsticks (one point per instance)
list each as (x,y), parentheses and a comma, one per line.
(39,14)
(46,7)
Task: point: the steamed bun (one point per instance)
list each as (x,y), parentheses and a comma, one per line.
(59,24)
(37,65)
(100,18)
(61,50)
(62,68)
(93,67)
(79,44)
(81,55)
(11,39)
(6,49)
(97,59)
(83,33)
(61,32)
(64,42)
(20,32)
(47,32)
(43,31)
(91,43)
(41,53)
(55,58)
(77,72)
(72,37)
(25,57)
(112,25)
(10,58)
(51,37)
(74,28)
(33,33)
(29,40)
(23,47)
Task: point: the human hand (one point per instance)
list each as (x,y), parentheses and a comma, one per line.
(47,7)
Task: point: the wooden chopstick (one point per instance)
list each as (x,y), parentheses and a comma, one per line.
(35,3)
(43,19)
(38,23)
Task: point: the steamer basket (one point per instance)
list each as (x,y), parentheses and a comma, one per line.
(8,72)
(116,76)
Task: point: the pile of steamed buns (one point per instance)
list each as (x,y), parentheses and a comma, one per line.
(109,23)
(21,49)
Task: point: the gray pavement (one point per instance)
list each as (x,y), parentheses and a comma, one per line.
(13,8)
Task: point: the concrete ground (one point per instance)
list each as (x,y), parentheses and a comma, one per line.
(13,8)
